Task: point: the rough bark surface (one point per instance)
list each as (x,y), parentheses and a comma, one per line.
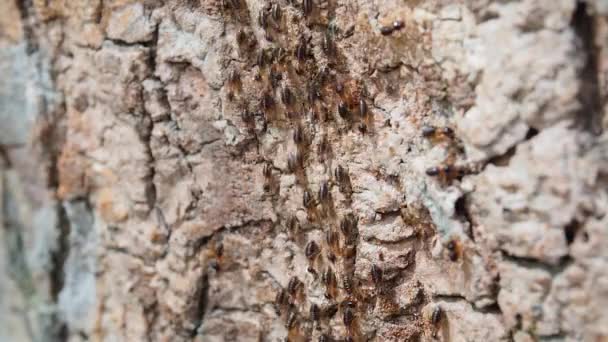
(165,167)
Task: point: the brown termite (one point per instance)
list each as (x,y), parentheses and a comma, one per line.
(453,250)
(307,200)
(343,110)
(267,171)
(377,274)
(311,251)
(340,175)
(446,173)
(347,283)
(298,135)
(294,162)
(437,134)
(324,194)
(276,12)
(301,50)
(286,96)
(294,286)
(329,279)
(315,313)
(386,30)
(280,300)
(348,316)
(330,310)
(293,225)
(307,6)
(332,240)
(267,101)
(362,107)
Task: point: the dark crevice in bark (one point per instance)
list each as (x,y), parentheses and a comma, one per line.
(25,6)
(461,208)
(532,263)
(57,273)
(201,300)
(590,114)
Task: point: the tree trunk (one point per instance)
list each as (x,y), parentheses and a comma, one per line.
(248,170)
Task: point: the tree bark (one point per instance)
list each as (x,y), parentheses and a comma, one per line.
(248,170)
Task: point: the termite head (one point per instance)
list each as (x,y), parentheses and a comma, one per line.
(386,30)
(398,24)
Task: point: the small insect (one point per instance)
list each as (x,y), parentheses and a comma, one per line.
(362,127)
(327,44)
(234,78)
(312,250)
(324,338)
(293,286)
(276,12)
(398,24)
(436,316)
(343,110)
(267,171)
(386,30)
(445,173)
(340,175)
(331,257)
(294,161)
(452,250)
(307,199)
(286,96)
(247,116)
(362,108)
(347,283)
(339,87)
(307,6)
(293,224)
(291,320)
(298,135)
(315,313)
(263,19)
(348,316)
(329,279)
(437,134)
(313,92)
(261,58)
(267,101)
(377,274)
(348,226)
(324,192)
(275,77)
(330,310)
(301,50)
(280,300)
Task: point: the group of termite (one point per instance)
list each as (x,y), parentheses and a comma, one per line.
(326,94)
